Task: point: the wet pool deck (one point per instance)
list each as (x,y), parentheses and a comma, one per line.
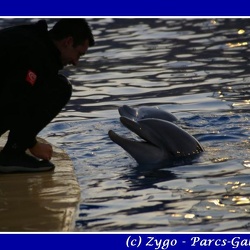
(40,202)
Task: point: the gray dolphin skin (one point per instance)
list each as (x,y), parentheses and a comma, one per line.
(163,141)
(146,112)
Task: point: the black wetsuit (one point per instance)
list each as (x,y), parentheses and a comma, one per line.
(31,91)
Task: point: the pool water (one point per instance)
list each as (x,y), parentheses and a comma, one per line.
(198,69)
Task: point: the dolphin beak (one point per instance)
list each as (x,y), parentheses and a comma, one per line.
(133,126)
(126,111)
(141,151)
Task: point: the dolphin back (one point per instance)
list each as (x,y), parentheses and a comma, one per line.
(145,112)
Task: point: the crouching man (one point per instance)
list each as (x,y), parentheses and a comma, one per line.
(32,92)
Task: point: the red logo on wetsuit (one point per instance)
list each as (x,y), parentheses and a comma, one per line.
(31,77)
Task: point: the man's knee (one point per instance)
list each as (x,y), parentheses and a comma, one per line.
(65,88)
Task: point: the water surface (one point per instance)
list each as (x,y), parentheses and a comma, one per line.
(197,69)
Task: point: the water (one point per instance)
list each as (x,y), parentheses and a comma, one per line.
(197,69)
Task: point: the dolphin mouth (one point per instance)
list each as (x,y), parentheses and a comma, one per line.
(118,138)
(134,127)
(144,152)
(141,149)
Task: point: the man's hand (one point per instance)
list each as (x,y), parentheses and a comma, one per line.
(42,150)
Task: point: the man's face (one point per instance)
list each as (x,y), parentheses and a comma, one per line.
(70,55)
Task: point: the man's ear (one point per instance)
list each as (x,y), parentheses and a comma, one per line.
(68,41)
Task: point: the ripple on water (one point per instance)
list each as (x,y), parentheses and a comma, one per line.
(195,68)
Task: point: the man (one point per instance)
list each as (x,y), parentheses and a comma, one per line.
(32,92)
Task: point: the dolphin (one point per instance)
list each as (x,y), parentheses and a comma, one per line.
(145,112)
(162,141)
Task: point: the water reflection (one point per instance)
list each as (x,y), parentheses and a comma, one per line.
(199,70)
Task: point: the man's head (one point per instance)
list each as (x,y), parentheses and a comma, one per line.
(72,37)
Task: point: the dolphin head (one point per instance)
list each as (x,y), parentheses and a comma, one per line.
(162,141)
(146,112)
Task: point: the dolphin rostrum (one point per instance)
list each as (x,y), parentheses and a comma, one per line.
(163,141)
(145,112)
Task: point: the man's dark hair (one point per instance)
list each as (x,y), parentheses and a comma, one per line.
(78,28)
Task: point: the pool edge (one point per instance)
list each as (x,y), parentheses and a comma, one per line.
(40,202)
